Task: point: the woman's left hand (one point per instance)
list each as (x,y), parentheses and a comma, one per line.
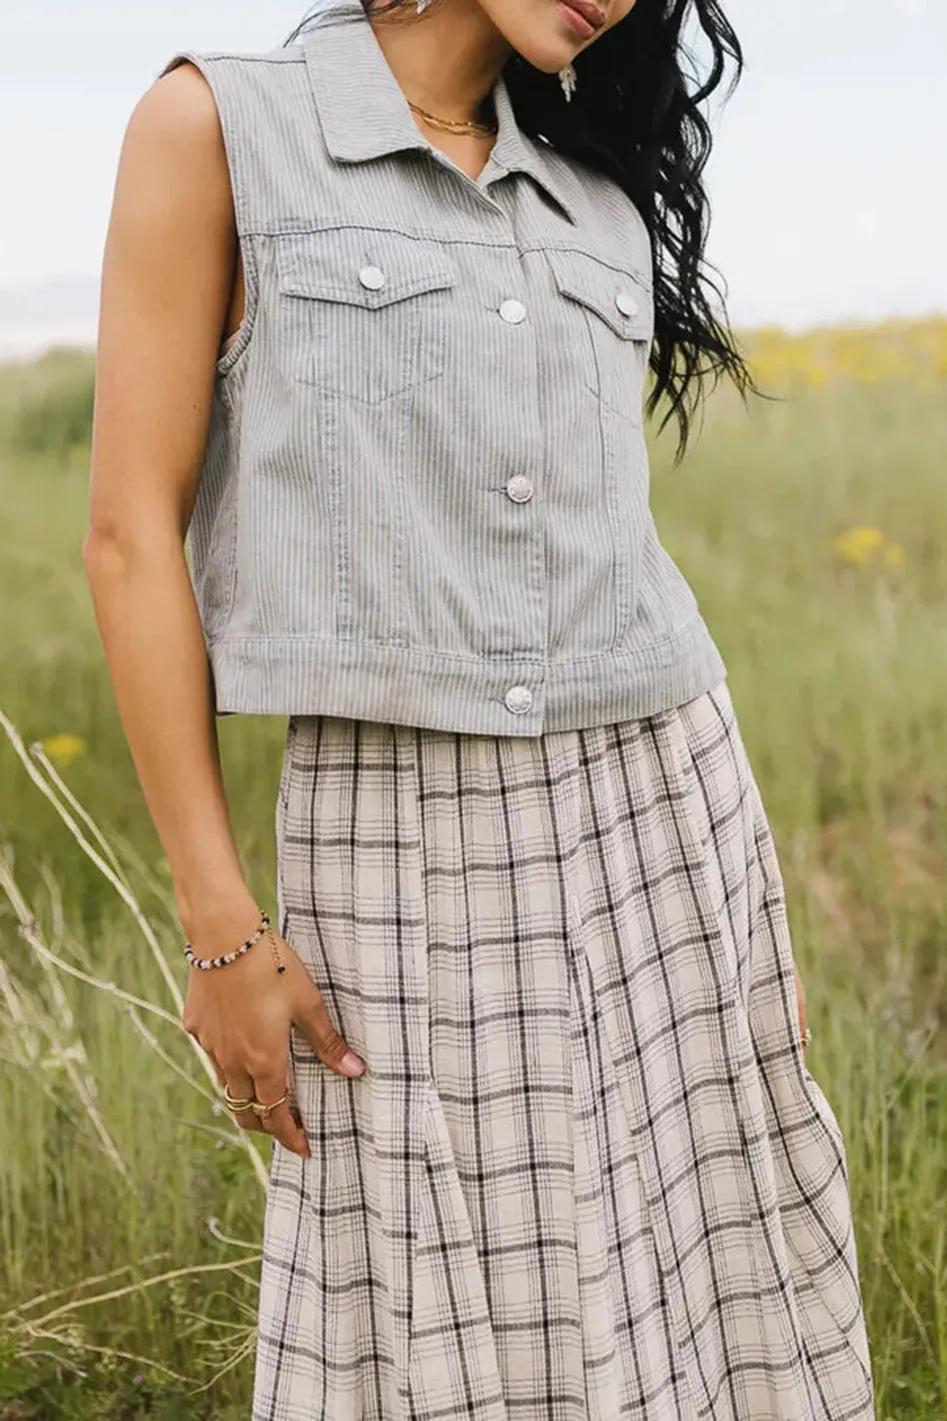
(801,1004)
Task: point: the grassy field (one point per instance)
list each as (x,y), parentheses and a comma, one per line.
(812,530)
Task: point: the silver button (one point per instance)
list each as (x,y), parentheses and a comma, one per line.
(513,312)
(518,699)
(520,489)
(372,277)
(626,303)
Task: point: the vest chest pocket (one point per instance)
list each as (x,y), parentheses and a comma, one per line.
(363,312)
(618,307)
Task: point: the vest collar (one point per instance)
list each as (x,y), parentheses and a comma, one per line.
(365,115)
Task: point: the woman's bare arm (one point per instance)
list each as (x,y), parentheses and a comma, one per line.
(167,281)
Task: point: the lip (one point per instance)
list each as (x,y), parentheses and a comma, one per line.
(583,15)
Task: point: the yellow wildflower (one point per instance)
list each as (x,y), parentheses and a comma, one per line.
(895,350)
(63,749)
(858,545)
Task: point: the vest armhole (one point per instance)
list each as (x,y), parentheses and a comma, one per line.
(214,70)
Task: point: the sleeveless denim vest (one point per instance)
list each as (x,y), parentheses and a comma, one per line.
(425,492)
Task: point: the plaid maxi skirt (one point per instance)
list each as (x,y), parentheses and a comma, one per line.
(586,1175)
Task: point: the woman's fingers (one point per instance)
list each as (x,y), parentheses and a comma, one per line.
(280,1122)
(247,1013)
(238,1082)
(312,1019)
(244,1118)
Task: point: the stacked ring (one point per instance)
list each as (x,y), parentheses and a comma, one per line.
(237,1105)
(234,1105)
(807,1037)
(262,1111)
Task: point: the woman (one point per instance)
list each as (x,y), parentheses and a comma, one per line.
(528,1039)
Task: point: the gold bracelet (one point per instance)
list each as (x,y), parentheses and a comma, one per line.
(274,948)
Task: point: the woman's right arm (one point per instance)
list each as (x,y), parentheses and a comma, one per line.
(167,280)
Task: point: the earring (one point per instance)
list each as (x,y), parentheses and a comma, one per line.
(422,6)
(567,78)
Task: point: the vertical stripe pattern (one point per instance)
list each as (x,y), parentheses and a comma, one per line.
(425,498)
(587,1174)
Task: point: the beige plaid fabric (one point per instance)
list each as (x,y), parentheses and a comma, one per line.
(587,1175)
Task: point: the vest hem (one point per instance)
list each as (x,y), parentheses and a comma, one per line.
(309,676)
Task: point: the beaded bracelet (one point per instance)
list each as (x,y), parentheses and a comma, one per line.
(206,963)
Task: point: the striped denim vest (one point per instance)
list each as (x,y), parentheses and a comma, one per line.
(425,490)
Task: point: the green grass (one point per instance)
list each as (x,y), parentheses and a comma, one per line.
(839,675)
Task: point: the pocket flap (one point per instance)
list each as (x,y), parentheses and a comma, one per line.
(360,266)
(618,296)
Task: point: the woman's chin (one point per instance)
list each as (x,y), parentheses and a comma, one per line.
(548,46)
(549,58)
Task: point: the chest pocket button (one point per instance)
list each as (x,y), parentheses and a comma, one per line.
(364,312)
(622,299)
(617,304)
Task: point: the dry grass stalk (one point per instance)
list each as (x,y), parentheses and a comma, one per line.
(69,1054)
(40,1027)
(107,863)
(59,1325)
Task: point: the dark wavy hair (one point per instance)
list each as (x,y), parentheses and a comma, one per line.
(636,115)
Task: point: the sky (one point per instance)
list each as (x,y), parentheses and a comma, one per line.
(826,181)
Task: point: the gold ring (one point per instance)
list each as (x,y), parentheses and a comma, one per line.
(262,1111)
(807,1037)
(234,1105)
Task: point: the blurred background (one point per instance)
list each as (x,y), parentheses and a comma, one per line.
(827,204)
(811,527)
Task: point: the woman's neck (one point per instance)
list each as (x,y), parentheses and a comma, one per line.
(446,61)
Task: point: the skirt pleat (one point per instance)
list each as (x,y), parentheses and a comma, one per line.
(587,1175)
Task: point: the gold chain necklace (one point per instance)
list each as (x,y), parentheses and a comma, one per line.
(452,125)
